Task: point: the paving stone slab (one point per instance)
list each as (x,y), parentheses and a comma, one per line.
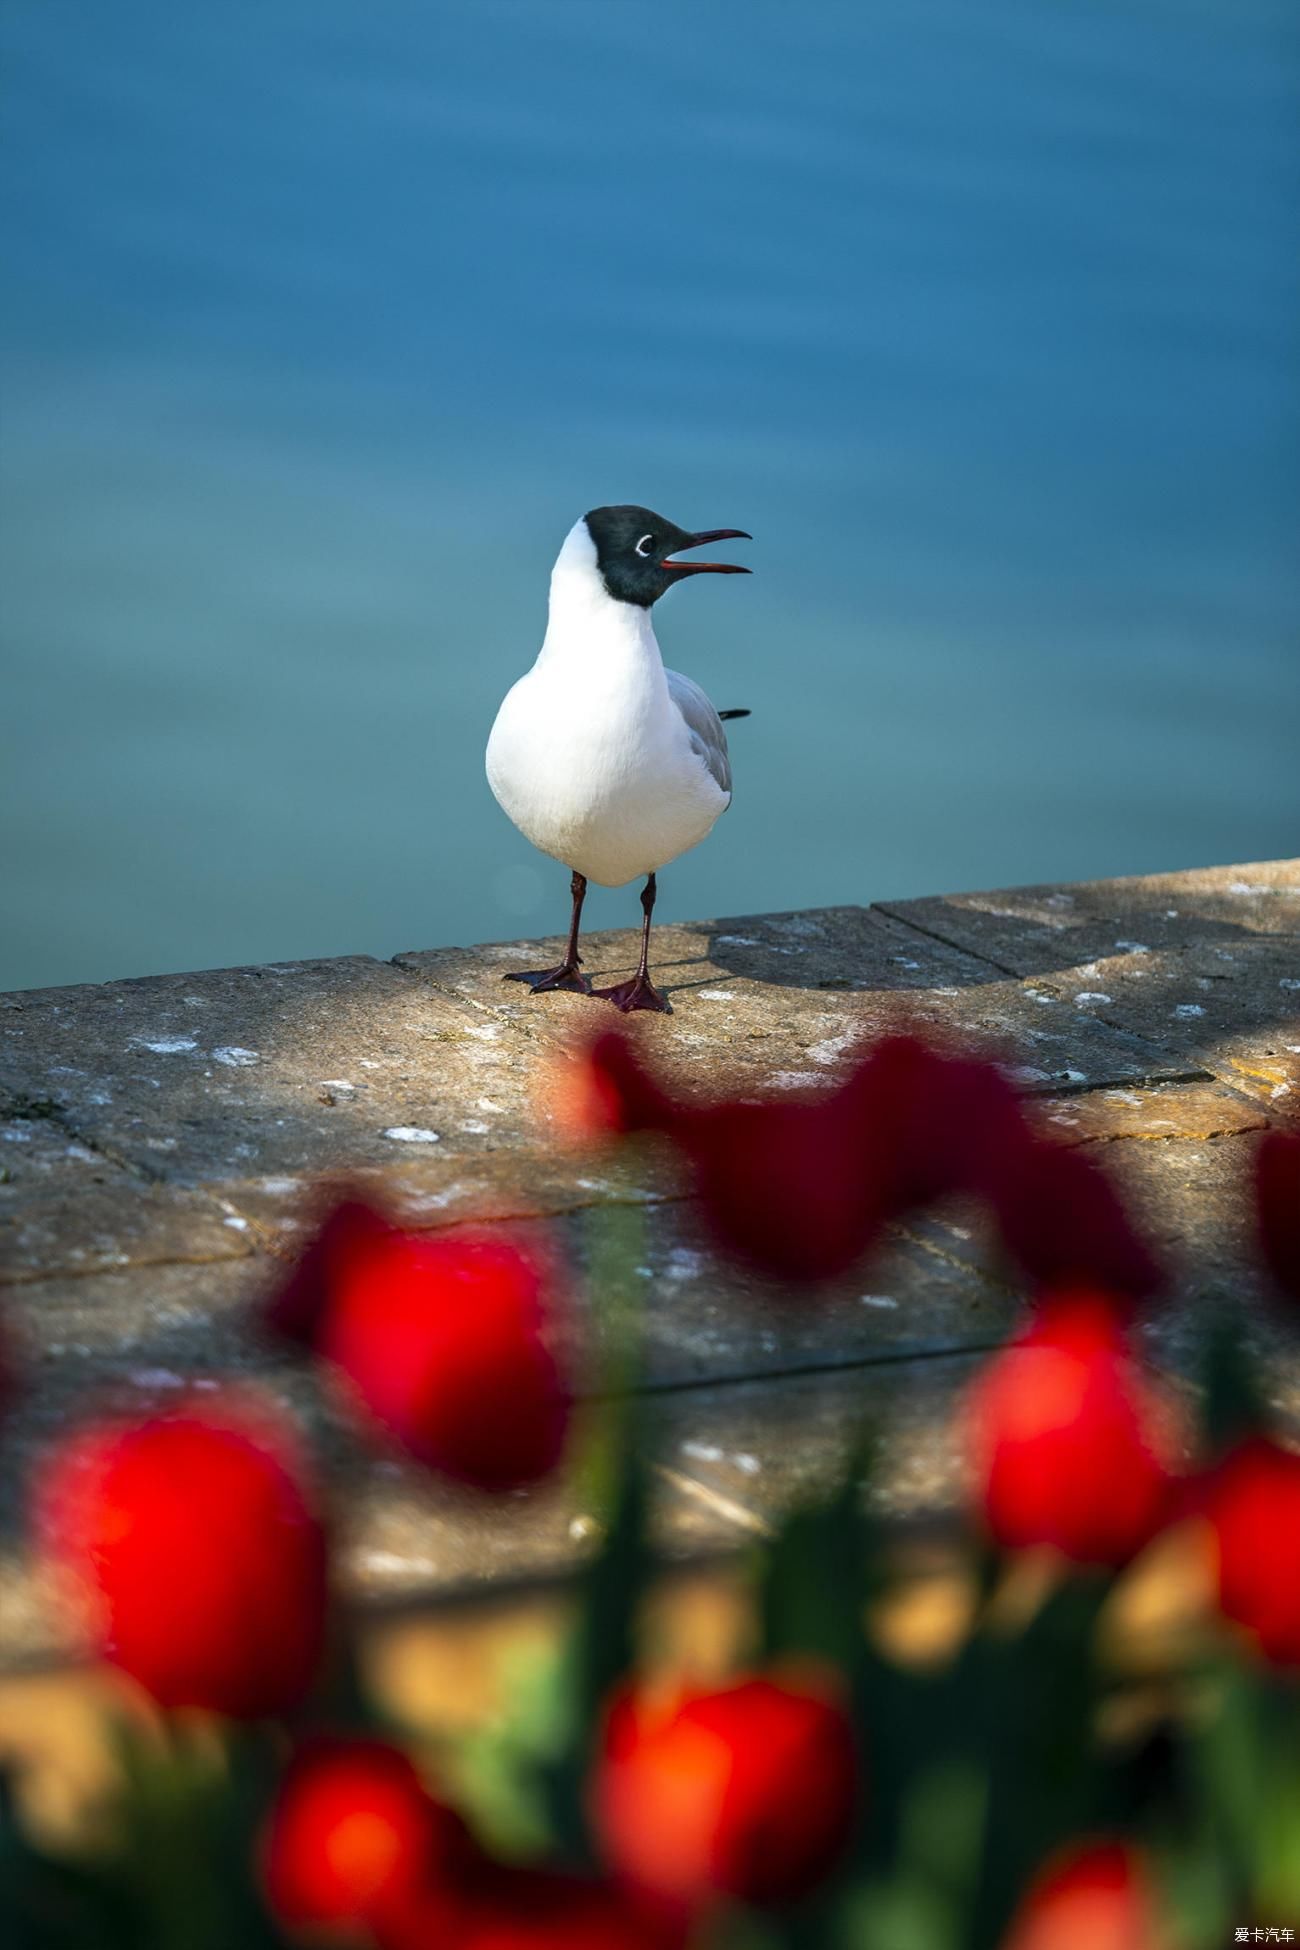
(728,1462)
(1193,1201)
(1196,1202)
(707,1319)
(756,1021)
(258,1083)
(244,1074)
(150,1327)
(766,1447)
(1233,1008)
(173,1133)
(1199,1204)
(65,1209)
(1184,1110)
(822,949)
(1034,930)
(543,1180)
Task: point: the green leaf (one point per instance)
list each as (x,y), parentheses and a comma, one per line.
(943,1826)
(816,1575)
(1037,1696)
(186,1824)
(614,1478)
(602,1646)
(1233,1405)
(1229,1772)
(904,1913)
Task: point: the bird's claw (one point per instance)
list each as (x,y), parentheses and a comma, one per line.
(566,976)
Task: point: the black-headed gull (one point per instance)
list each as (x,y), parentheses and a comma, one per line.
(601,757)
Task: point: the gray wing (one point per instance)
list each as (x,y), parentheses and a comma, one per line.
(708,739)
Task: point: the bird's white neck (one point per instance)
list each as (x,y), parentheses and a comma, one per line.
(586,625)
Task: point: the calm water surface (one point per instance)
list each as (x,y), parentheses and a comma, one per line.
(323,323)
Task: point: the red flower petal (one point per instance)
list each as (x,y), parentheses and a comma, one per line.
(354,1834)
(542,1909)
(949,1123)
(792,1188)
(1063,1221)
(749,1791)
(444,1341)
(348,1236)
(1063,1438)
(1252,1501)
(1096,1896)
(207,1561)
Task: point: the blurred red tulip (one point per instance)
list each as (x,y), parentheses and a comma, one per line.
(1252,1500)
(354,1834)
(1097,1896)
(802,1188)
(537,1909)
(600,1090)
(794,1187)
(1064,1437)
(951,1123)
(1062,1221)
(789,1187)
(345,1240)
(203,1559)
(444,1341)
(748,1792)
(1277,1204)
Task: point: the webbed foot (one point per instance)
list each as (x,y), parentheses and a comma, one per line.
(639,993)
(566,976)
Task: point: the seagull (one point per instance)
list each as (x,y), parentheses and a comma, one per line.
(602,758)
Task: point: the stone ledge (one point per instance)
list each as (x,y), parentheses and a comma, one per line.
(161,1139)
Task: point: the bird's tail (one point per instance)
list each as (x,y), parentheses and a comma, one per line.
(734,714)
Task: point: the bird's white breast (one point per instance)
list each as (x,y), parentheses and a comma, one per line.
(589,755)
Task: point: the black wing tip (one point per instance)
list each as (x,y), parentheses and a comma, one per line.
(746,713)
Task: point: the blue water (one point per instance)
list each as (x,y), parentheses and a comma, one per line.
(323,321)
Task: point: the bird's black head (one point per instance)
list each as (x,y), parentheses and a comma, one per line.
(634,547)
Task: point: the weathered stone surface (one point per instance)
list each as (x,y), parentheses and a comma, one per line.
(825,949)
(1230,1007)
(427,1192)
(1183,1110)
(1035,930)
(165,1141)
(763,1014)
(729,1460)
(767,1447)
(67,1209)
(1196,1203)
(149,1328)
(707,1320)
(1234,1009)
(135,1336)
(1193,1202)
(306,1069)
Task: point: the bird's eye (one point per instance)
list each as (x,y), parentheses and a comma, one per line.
(646,545)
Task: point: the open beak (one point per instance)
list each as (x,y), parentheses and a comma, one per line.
(710,568)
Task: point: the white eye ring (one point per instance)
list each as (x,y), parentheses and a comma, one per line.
(645,545)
